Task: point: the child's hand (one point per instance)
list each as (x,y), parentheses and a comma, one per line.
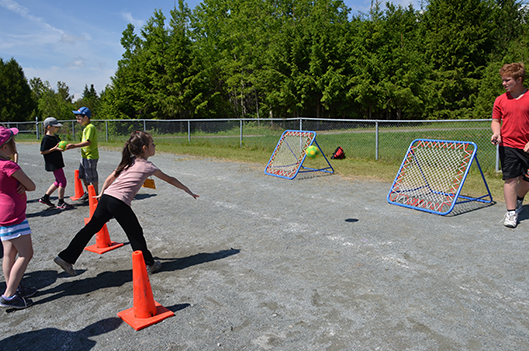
(21,189)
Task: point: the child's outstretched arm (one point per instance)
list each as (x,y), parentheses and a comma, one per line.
(175,182)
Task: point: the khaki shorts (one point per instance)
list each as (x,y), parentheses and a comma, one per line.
(88,171)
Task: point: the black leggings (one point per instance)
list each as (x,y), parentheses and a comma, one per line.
(107,208)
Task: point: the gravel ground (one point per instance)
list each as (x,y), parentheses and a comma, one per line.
(264,263)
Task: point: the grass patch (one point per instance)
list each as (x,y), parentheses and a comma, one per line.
(383,170)
(359,145)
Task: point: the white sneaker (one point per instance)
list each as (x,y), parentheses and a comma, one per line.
(511,219)
(519,206)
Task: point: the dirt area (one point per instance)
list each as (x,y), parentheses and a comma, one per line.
(263,263)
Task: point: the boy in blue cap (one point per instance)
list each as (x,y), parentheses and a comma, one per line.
(89,151)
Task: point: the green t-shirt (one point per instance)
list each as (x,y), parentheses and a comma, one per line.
(90,152)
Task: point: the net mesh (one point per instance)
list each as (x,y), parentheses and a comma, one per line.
(288,154)
(431,174)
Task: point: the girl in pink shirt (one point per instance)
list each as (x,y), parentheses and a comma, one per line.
(115,198)
(14,228)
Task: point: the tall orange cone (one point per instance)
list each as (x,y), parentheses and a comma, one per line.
(92,202)
(103,242)
(145,311)
(78,187)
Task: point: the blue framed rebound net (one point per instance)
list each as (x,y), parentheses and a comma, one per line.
(432,175)
(289,155)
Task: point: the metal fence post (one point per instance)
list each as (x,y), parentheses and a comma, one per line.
(189,131)
(376,140)
(73,130)
(106,129)
(301,124)
(37,126)
(240,137)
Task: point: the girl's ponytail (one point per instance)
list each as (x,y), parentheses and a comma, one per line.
(133,148)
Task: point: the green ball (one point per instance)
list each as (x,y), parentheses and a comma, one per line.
(62,145)
(312,152)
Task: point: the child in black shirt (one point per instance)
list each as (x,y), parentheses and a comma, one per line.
(49,148)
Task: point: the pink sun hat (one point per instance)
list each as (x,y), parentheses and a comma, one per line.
(6,134)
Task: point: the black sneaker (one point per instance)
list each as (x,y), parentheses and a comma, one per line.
(83,198)
(26,291)
(64,206)
(47,201)
(17,302)
(155,267)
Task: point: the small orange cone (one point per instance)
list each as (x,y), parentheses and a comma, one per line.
(103,242)
(78,187)
(146,311)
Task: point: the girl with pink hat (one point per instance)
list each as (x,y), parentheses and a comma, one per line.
(15,232)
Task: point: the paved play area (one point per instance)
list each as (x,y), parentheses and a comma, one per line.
(262,263)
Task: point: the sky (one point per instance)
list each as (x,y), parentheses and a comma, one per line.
(78,42)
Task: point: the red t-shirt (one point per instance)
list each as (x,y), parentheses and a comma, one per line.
(12,204)
(514,117)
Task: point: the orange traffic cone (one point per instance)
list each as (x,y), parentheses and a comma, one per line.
(103,242)
(146,311)
(78,187)
(92,202)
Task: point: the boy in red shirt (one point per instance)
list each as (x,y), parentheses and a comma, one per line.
(510,129)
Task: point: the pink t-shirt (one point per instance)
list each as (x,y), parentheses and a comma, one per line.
(514,117)
(12,203)
(130,180)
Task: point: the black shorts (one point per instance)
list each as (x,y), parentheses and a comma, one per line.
(514,163)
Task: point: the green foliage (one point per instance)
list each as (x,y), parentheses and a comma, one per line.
(16,103)
(297,58)
(50,102)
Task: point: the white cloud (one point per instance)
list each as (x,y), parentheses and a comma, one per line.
(127,16)
(15,7)
(72,39)
(78,62)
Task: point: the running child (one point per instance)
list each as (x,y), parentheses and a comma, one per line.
(49,148)
(15,232)
(115,199)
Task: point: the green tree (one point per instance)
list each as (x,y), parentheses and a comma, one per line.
(53,103)
(16,102)
(458,37)
(89,99)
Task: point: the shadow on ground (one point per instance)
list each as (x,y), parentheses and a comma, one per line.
(69,340)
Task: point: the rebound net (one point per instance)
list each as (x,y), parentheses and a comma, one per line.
(432,175)
(289,155)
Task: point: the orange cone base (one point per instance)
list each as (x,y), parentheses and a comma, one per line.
(113,245)
(140,323)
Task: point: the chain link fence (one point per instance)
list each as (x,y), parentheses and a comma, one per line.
(382,140)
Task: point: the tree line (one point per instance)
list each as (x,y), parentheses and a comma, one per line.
(294,58)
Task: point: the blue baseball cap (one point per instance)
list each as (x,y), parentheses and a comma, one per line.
(83,111)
